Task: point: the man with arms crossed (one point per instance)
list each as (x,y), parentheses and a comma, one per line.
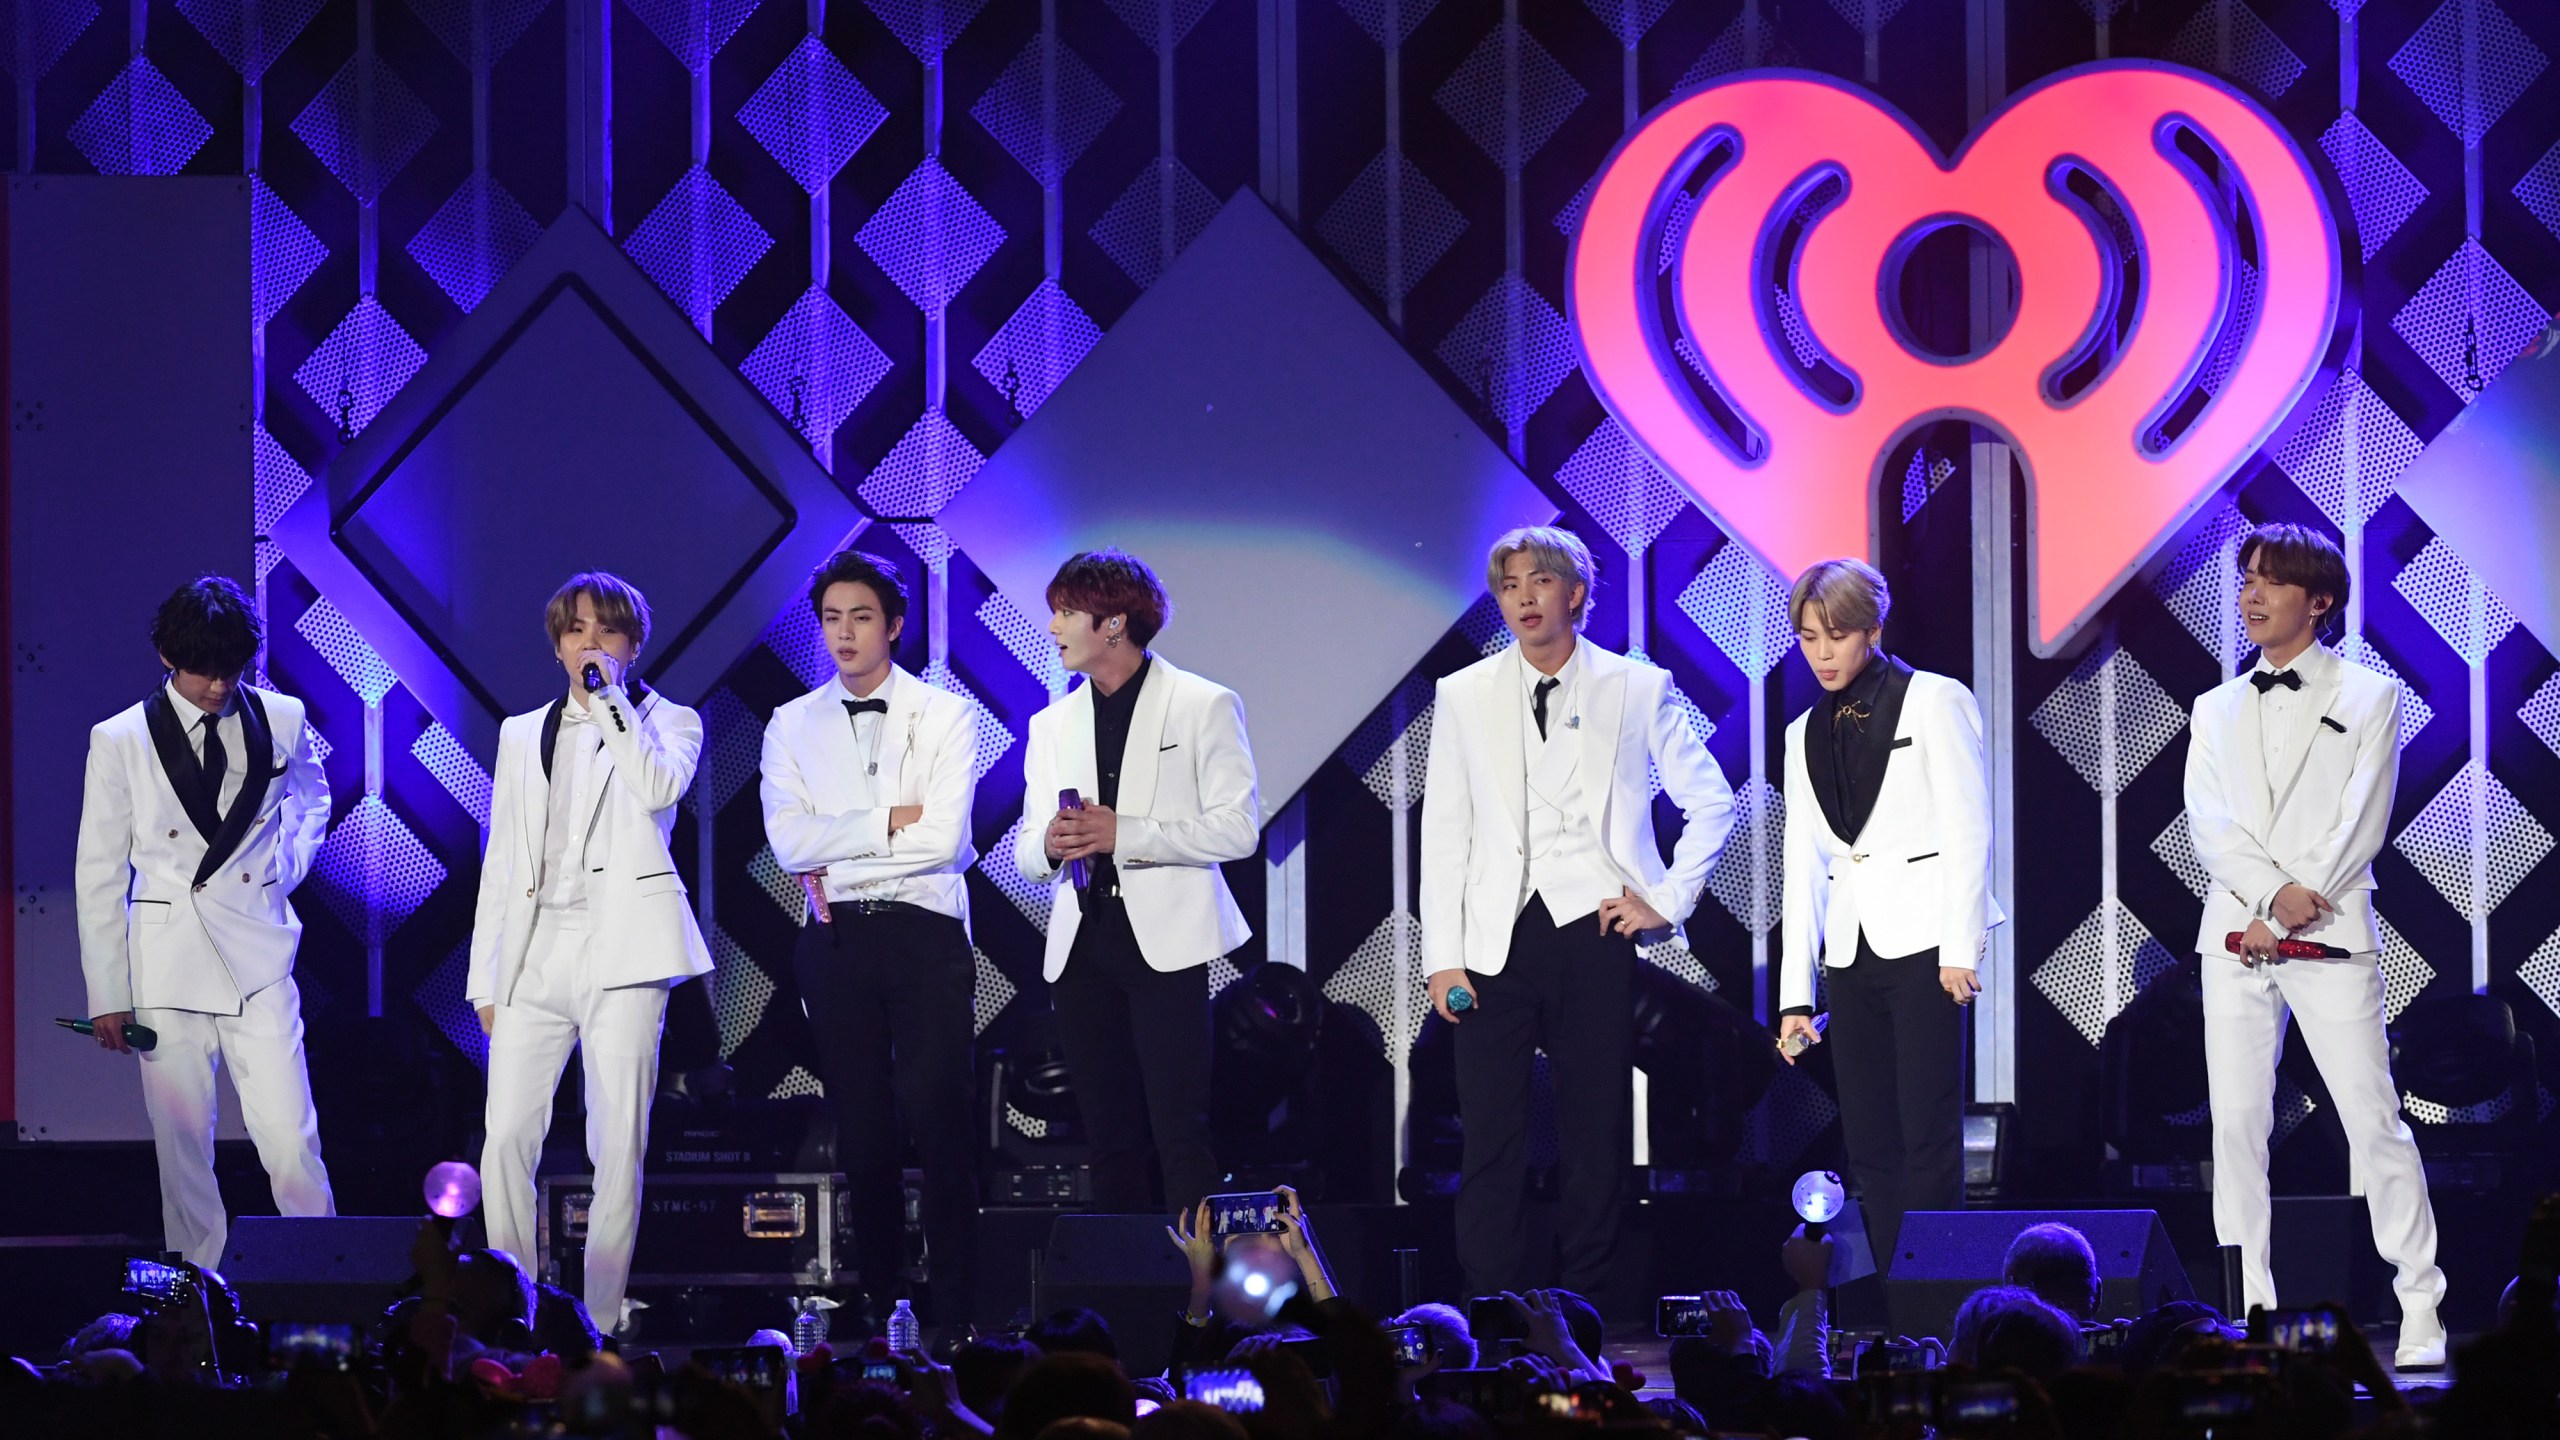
(868,784)
(202,810)
(1540,870)
(2290,771)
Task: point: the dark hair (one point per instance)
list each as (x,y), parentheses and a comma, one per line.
(208,627)
(2006,1328)
(1102,583)
(1440,1419)
(1188,1420)
(1582,1321)
(2054,1260)
(618,603)
(1074,1330)
(856,567)
(1729,1388)
(983,1369)
(1064,1384)
(2299,555)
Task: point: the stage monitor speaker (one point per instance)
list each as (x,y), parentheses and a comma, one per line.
(339,1269)
(1944,1256)
(1121,1267)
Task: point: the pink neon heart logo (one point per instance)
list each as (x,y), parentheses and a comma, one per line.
(2099,501)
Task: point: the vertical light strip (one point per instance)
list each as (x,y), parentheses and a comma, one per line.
(1400,856)
(374,837)
(368,162)
(588,42)
(1053,188)
(2110,928)
(1514,323)
(1393,174)
(937,340)
(1871,32)
(2478,655)
(253,136)
(1284,927)
(1166,233)
(1756,705)
(1995,681)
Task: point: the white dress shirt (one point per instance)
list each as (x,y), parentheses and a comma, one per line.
(2279,708)
(564,855)
(235,741)
(868,741)
(1567,866)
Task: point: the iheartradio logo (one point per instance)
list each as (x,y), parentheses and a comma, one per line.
(2178,280)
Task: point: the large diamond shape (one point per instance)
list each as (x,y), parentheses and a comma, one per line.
(364,157)
(1277,418)
(475,237)
(698,244)
(2380,190)
(2200,584)
(2486,485)
(2350,452)
(930,236)
(2440,587)
(374,857)
(1477,96)
(931,463)
(140,125)
(693,30)
(1746,877)
(2145,719)
(2081,983)
(2438,841)
(739,991)
(2258,57)
(478,32)
(2176,847)
(1397,734)
(222,23)
(360,366)
(1368,982)
(575,372)
(51,27)
(815,365)
(1134,230)
(1620,487)
(2541,972)
(2539,189)
(1016,109)
(1742,607)
(2541,713)
(2470,319)
(439,997)
(811,115)
(282,251)
(1427,224)
(1032,351)
(2431,64)
(1511,350)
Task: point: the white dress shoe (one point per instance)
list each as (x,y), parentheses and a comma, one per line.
(2422,1344)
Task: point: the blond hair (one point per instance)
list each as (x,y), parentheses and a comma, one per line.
(618,603)
(1849,593)
(1552,550)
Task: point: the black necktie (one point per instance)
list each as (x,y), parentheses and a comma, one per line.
(215,763)
(2267,680)
(1538,705)
(856,708)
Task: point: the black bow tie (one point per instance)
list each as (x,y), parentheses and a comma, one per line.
(2267,680)
(853,708)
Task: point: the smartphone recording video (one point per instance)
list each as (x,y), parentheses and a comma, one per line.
(1676,1316)
(292,1344)
(1256,1213)
(1412,1345)
(1234,1391)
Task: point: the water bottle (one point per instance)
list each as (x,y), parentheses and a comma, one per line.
(809,1323)
(905,1333)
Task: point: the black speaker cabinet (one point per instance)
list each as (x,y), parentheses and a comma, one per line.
(340,1269)
(1946,1255)
(1122,1267)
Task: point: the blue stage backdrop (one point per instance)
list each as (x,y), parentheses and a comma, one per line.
(905,221)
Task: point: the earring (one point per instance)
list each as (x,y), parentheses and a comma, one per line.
(1113,642)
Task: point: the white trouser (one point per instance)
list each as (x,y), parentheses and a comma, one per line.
(2339,1006)
(557,1005)
(263,1047)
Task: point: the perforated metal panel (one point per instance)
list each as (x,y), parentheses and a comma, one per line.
(1025,639)
(2351,450)
(1791,1115)
(1371,17)
(140,125)
(734,747)
(2146,719)
(1037,346)
(815,365)
(930,236)
(357,663)
(454,769)
(2469,320)
(2259,59)
(692,30)
(778,884)
(1475,96)
(926,27)
(2539,190)
(2404,971)
(1032,897)
(51,26)
(2440,587)
(282,251)
(1742,607)
(439,997)
(2541,972)
(1730,880)
(990,991)
(921,473)
(2437,839)
(740,991)
(2430,63)
(478,32)
(1132,230)
(1372,750)
(2415,712)
(2176,847)
(1355,225)
(1159,23)
(993,739)
(1367,983)
(366,159)
(2541,713)
(1511,349)
(2196,582)
(373,852)
(364,361)
(473,239)
(1628,20)
(2382,193)
(811,115)
(1619,487)
(1015,109)
(2075,976)
(698,242)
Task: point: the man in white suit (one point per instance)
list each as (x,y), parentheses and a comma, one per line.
(583,924)
(2290,771)
(1887,879)
(1540,873)
(1163,777)
(868,786)
(202,809)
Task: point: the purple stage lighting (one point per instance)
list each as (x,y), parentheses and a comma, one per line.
(453,1189)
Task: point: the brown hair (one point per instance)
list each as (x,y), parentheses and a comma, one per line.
(1103,583)
(2292,554)
(1849,593)
(618,602)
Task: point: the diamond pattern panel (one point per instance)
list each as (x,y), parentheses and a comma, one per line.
(1025,640)
(1742,607)
(1012,107)
(2199,582)
(698,244)
(360,365)
(2415,712)
(1722,56)
(439,997)
(221,23)
(1161,24)
(736,750)
(140,125)
(280,481)
(2404,971)
(2146,719)
(1032,897)
(442,755)
(692,30)
(2541,713)
(358,664)
(929,464)
(1131,232)
(1620,487)
(1511,350)
(1483,628)
(51,26)
(929,542)
(2541,972)
(991,992)
(2470,320)
(926,27)
(2539,190)
(815,366)
(2258,58)
(1367,983)
(2431,65)
(1791,1115)
(1673,958)
(740,991)
(1372,750)
(1371,16)
(1855,11)
(2074,977)
(993,739)
(2176,847)
(372,853)
(779,885)
(1355,225)
(2440,587)
(2351,451)
(1921,479)
(501,23)
(811,115)
(1032,352)
(794,639)
(333,126)
(475,237)
(1474,96)
(1731,880)
(282,251)
(2381,192)
(930,236)
(797,1083)
(2438,840)
(1628,19)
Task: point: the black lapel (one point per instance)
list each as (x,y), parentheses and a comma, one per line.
(178,762)
(261,760)
(1817,762)
(551,732)
(1878,744)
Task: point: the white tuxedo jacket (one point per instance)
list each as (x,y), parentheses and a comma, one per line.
(1189,801)
(1918,871)
(638,923)
(170,919)
(821,812)
(2319,823)
(1475,866)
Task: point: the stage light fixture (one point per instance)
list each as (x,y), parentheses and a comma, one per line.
(2464,1053)
(1986,1148)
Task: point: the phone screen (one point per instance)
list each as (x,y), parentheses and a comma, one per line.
(1491,1317)
(1413,1346)
(2303,1332)
(290,1342)
(1254,1213)
(150,1280)
(1679,1315)
(1234,1391)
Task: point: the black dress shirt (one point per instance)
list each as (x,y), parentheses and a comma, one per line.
(1111,716)
(1858,737)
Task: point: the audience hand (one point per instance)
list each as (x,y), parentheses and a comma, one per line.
(1807,1259)
(1548,1336)
(1729,1326)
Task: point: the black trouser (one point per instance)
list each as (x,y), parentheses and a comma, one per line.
(1569,991)
(889,998)
(1137,1041)
(1897,1054)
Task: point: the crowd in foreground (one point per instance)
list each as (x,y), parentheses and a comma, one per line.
(1268,1351)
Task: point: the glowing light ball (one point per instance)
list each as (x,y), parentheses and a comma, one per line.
(453,1189)
(1819,1196)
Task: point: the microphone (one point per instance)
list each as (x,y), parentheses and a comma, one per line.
(594,678)
(1077,872)
(140,1037)
(2235,942)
